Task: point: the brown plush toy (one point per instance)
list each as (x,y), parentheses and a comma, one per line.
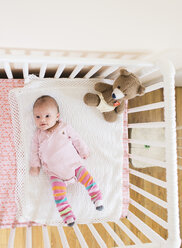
(110,98)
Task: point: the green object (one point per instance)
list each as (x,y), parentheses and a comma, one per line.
(147,146)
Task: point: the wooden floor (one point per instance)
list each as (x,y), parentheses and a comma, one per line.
(155,115)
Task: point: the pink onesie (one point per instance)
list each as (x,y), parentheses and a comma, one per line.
(60,152)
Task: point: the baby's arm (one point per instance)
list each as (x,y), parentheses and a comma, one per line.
(78,143)
(34,157)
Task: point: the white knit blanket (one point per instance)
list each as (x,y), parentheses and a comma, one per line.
(34,196)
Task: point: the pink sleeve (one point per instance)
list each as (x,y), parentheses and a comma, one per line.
(34,154)
(78,143)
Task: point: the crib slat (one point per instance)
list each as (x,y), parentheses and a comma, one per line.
(110,56)
(108,71)
(8,71)
(97,236)
(113,235)
(152,74)
(29,237)
(46,237)
(147,125)
(145,245)
(25,70)
(147,107)
(134,238)
(146,142)
(59,71)
(42,70)
(149,214)
(63,237)
(148,178)
(11,238)
(93,71)
(179,128)
(154,87)
(128,56)
(149,196)
(154,162)
(80,237)
(76,71)
(145,229)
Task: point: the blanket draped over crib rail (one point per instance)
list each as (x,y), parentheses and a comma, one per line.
(7,156)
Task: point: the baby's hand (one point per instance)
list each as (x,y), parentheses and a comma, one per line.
(34,171)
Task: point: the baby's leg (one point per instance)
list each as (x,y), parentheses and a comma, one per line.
(59,190)
(86,179)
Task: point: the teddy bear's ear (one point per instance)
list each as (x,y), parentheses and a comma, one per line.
(141,90)
(124,72)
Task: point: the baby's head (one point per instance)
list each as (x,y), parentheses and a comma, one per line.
(46,112)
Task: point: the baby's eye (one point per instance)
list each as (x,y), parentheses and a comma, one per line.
(37,116)
(47,116)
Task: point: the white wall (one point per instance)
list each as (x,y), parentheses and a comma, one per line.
(91,24)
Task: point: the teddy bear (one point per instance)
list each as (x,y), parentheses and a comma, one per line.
(109,99)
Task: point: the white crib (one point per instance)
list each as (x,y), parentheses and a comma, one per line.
(155,75)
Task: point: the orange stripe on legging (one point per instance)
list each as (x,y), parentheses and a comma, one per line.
(90,178)
(59,187)
(83,176)
(58,194)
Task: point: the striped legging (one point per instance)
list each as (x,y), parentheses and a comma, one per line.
(59,191)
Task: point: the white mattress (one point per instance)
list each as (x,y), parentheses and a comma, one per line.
(34,194)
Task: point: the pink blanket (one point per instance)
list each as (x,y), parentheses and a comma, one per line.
(8,160)
(7,157)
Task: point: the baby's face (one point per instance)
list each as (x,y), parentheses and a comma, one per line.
(45,116)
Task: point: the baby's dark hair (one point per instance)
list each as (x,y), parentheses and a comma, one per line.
(43,99)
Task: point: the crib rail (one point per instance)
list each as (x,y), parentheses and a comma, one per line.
(168,106)
(63,53)
(145,226)
(61,66)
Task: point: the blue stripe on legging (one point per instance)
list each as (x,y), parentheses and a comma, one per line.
(60,201)
(88,187)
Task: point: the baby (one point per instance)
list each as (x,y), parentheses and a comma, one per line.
(60,151)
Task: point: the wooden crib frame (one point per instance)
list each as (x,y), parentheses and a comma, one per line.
(139,214)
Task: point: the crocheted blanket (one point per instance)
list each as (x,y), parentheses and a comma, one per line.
(34,200)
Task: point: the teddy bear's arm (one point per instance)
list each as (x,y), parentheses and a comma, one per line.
(119,109)
(101,87)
